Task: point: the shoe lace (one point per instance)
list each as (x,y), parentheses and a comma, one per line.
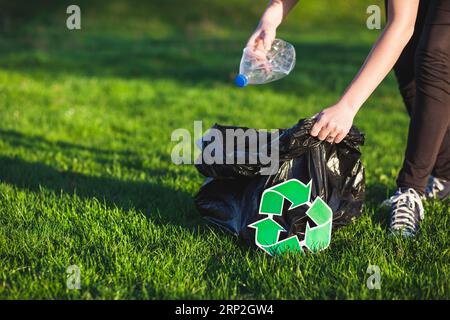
(435,187)
(404,206)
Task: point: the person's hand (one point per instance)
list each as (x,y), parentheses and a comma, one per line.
(333,123)
(261,40)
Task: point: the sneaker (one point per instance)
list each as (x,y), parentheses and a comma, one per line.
(437,188)
(406,212)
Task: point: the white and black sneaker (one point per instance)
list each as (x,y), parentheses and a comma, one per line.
(437,188)
(406,212)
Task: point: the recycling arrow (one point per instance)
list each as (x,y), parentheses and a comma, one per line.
(319,237)
(293,190)
(289,244)
(268,230)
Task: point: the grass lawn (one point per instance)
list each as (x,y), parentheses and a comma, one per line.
(86,176)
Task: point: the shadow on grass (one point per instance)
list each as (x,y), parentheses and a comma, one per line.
(126,158)
(376,193)
(16,138)
(164,205)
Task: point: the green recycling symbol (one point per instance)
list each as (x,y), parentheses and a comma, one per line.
(268,230)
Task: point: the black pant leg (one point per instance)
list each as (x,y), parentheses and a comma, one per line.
(404,67)
(430,118)
(442,166)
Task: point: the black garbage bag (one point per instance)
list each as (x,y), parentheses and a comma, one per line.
(231,193)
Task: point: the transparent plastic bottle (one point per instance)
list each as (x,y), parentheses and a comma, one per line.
(262,67)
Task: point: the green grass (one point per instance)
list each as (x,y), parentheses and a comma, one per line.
(86,176)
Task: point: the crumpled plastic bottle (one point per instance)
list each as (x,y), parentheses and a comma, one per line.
(259,67)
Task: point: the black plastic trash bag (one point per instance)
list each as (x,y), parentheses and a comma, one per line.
(231,194)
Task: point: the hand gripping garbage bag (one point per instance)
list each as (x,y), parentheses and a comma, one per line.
(231,193)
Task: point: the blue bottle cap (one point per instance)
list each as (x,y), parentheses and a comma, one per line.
(241,80)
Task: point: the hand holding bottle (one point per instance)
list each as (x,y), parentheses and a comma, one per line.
(261,40)
(258,66)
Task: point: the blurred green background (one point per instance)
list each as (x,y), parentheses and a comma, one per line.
(86,176)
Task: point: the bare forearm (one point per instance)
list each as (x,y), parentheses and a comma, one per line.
(379,62)
(262,38)
(276,11)
(334,122)
(377,65)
